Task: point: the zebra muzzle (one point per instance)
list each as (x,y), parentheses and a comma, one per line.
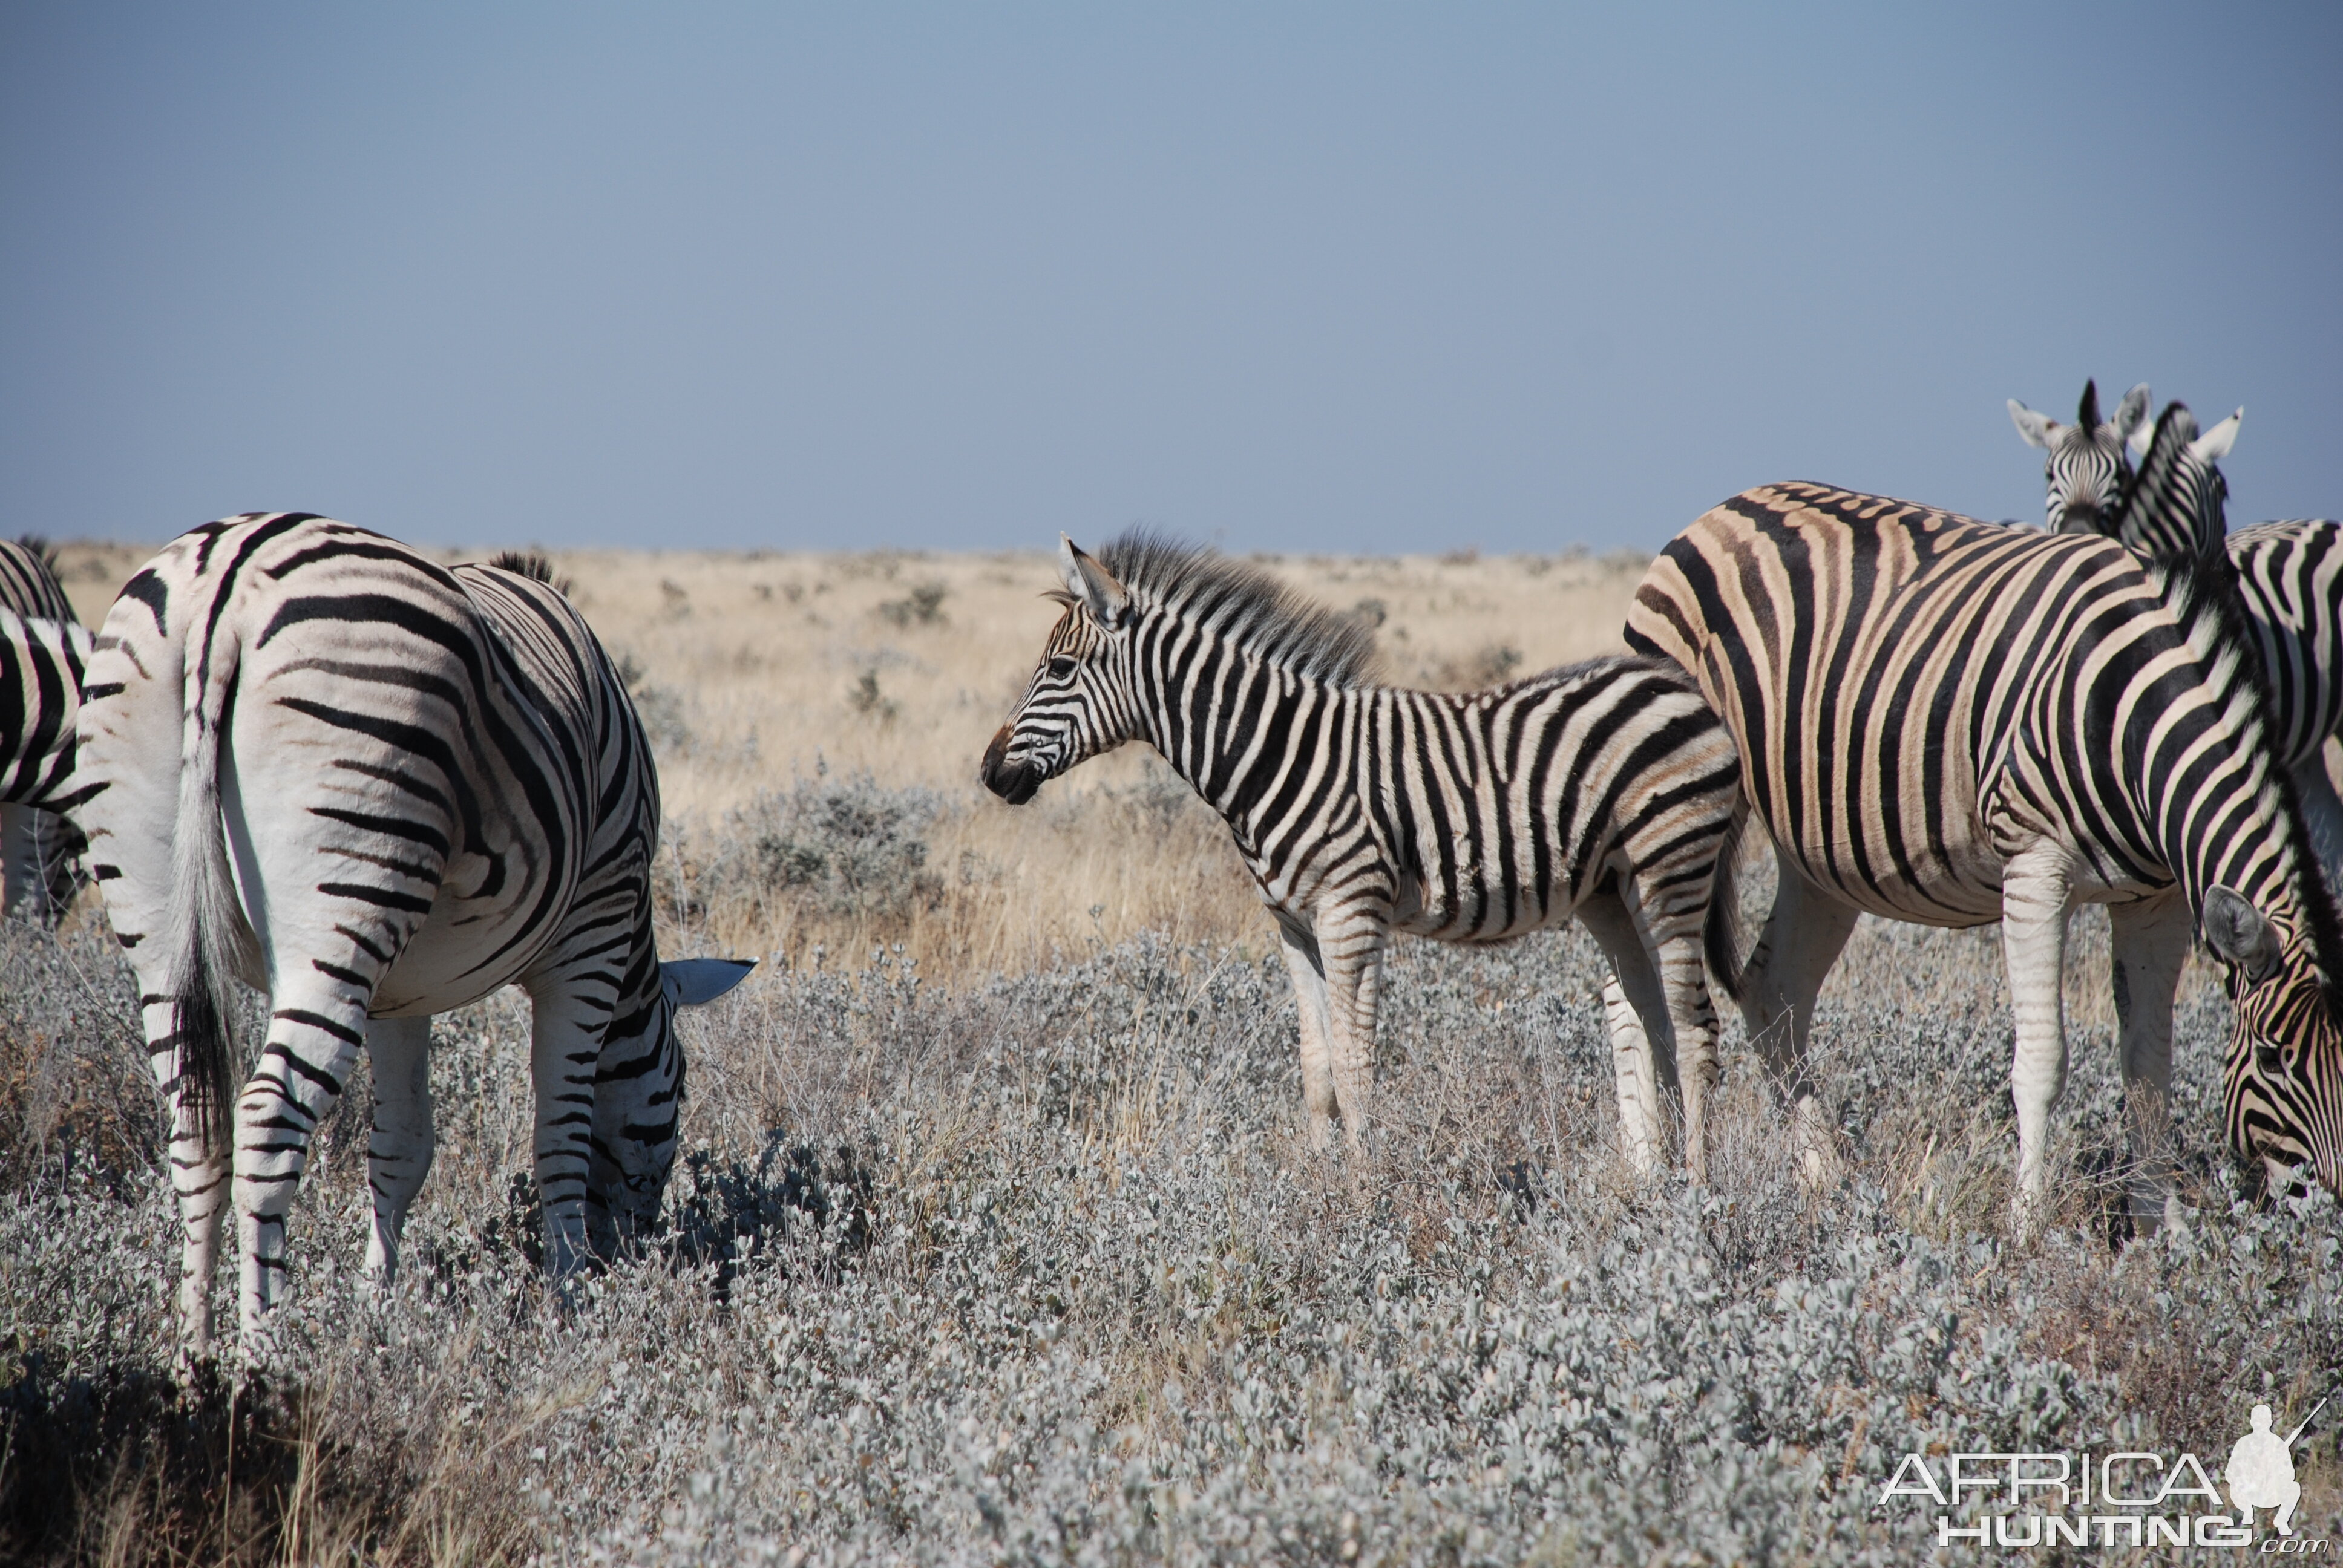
(1013,783)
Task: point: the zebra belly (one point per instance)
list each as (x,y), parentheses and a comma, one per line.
(464,951)
(1957,892)
(1458,925)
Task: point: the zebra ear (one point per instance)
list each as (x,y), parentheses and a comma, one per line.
(693,982)
(2131,414)
(2214,444)
(2240,935)
(1093,584)
(2087,414)
(2035,427)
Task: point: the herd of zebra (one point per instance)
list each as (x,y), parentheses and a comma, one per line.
(303,756)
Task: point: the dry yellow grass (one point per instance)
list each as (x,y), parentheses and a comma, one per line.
(762,668)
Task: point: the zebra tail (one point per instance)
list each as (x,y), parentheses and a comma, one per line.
(204,912)
(1721,934)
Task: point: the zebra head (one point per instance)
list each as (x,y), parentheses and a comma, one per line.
(638,1095)
(2176,507)
(2086,470)
(2284,1075)
(1079,702)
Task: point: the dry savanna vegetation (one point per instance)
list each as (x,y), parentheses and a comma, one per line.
(995,1238)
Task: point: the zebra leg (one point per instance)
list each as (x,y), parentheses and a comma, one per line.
(2151,944)
(23,894)
(1351,952)
(2321,812)
(1643,1036)
(1670,943)
(2037,894)
(199,1180)
(1803,938)
(399,1149)
(313,1043)
(565,1047)
(1309,976)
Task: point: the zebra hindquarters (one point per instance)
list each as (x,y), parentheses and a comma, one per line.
(1675,835)
(1650,922)
(336,877)
(129,738)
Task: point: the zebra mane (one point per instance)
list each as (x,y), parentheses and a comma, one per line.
(1244,604)
(41,547)
(536,566)
(2174,506)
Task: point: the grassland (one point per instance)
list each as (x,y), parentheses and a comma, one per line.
(996,1238)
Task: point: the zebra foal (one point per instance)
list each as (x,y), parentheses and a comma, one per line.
(1954,722)
(375,790)
(1606,789)
(38,875)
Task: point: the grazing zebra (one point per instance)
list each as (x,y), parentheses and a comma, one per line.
(38,874)
(1954,722)
(1606,789)
(2086,469)
(377,789)
(2290,578)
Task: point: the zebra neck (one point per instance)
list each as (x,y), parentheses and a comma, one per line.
(1246,734)
(2243,829)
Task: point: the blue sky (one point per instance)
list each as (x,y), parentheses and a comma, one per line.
(1289,277)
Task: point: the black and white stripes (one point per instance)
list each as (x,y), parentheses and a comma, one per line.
(1954,722)
(2289,577)
(38,877)
(375,790)
(1605,789)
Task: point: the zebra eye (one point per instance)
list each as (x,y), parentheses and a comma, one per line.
(1063,665)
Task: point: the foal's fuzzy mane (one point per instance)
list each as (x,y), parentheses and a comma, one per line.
(1245,604)
(534,565)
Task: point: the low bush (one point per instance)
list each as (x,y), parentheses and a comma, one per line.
(1039,1268)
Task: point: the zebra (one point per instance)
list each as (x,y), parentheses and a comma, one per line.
(1954,722)
(1606,789)
(2087,468)
(2289,575)
(41,662)
(376,789)
(38,875)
